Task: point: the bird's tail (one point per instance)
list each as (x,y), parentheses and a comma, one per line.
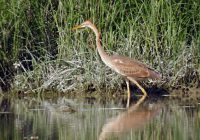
(155,75)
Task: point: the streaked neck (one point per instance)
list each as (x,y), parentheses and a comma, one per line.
(100,49)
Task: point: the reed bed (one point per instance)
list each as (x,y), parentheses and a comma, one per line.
(38,49)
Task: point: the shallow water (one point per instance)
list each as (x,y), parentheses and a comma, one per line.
(62,118)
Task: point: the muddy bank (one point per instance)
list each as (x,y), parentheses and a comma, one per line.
(182,95)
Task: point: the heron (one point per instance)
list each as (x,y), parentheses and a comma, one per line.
(133,70)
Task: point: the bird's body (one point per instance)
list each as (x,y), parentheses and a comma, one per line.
(131,69)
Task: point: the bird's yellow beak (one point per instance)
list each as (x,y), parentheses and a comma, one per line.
(77,27)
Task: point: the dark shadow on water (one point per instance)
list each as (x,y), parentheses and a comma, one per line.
(154,94)
(6,118)
(5,105)
(151,91)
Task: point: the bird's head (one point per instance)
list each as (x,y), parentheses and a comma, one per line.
(87,23)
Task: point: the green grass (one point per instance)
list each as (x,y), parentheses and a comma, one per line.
(38,37)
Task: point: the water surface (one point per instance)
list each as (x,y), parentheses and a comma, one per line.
(62,118)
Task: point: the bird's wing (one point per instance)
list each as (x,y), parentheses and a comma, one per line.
(130,67)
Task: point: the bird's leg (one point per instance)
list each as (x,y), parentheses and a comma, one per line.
(135,106)
(129,94)
(141,88)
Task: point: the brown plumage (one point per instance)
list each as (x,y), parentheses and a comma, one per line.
(132,69)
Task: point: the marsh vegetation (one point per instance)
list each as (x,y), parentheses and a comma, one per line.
(39,51)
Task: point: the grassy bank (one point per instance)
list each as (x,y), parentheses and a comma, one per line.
(39,50)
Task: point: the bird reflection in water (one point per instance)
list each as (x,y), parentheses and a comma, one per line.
(136,117)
